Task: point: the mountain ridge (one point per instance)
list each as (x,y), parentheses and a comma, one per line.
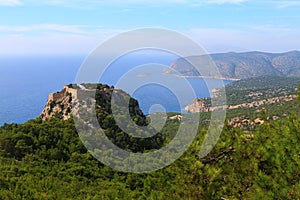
(244,65)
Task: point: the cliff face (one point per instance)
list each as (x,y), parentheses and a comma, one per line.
(63,104)
(59,104)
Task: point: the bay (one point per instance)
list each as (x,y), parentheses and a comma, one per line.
(26,81)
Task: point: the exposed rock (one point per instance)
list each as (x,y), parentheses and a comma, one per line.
(76,98)
(240,122)
(199,105)
(59,104)
(259,121)
(176,117)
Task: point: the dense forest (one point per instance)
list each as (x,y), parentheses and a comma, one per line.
(47,160)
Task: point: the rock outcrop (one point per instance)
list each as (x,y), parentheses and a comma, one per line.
(75,97)
(59,104)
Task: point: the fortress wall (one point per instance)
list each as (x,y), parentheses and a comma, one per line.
(57,96)
(80,93)
(76,94)
(62,94)
(50,97)
(84,94)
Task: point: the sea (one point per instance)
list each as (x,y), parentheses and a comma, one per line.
(26,82)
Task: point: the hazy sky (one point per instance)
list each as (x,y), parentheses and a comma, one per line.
(78,26)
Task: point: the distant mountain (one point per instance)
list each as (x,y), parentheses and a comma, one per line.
(245,65)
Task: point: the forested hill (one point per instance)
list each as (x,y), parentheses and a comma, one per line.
(45,159)
(260,88)
(73,97)
(245,65)
(246,99)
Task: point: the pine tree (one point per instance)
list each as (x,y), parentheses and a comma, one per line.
(298,111)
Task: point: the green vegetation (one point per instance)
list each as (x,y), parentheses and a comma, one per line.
(260,88)
(275,95)
(248,98)
(299,94)
(107,120)
(280,110)
(46,160)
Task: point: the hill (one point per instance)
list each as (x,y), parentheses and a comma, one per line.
(260,88)
(73,100)
(247,98)
(246,65)
(47,160)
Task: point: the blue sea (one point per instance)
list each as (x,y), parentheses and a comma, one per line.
(26,81)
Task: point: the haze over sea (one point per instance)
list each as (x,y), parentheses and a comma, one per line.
(26,81)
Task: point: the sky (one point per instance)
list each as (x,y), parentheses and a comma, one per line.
(79,26)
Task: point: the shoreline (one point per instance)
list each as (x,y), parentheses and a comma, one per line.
(208,77)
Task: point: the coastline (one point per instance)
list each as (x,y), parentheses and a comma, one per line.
(207,77)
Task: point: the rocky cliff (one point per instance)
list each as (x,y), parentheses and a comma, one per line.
(59,104)
(63,104)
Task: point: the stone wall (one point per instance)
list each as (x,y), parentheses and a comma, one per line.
(80,93)
(60,103)
(57,96)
